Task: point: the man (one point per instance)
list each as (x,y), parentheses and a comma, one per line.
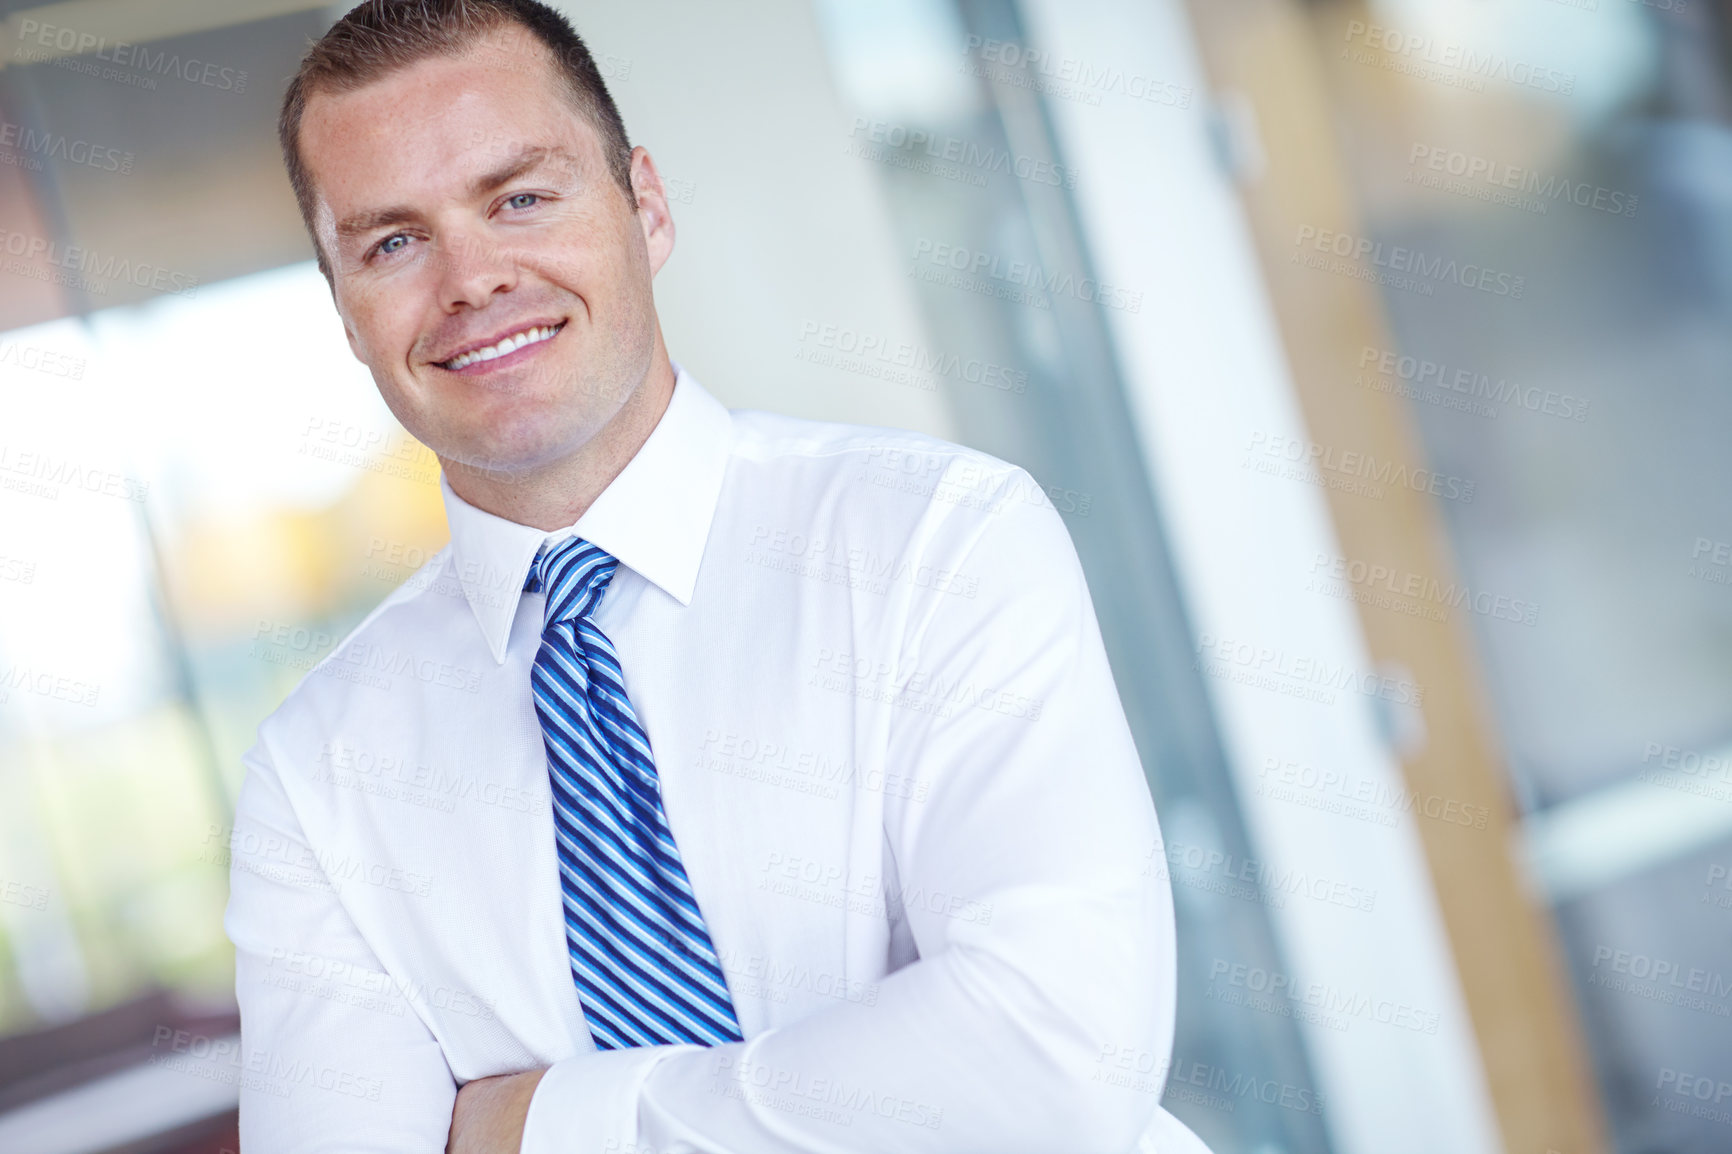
(715,789)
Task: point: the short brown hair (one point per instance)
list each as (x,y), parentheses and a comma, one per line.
(379,37)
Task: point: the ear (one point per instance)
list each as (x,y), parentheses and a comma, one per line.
(653,215)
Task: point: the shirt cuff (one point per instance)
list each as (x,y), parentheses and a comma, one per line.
(588,1104)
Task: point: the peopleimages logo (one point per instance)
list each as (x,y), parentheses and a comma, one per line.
(70,41)
(1417,594)
(39,474)
(1478,65)
(86,262)
(857,351)
(1363,798)
(1069,77)
(1497,176)
(1472,384)
(1234,1086)
(1215,654)
(1268,878)
(1350,464)
(27,897)
(1408,261)
(1024,275)
(1675,1089)
(1237,983)
(1660,972)
(1711,561)
(957,151)
(81,152)
(1689,762)
(42,360)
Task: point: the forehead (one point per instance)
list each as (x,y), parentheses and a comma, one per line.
(433,125)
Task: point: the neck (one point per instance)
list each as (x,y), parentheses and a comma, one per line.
(556,495)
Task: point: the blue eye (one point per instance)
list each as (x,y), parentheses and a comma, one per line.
(527,198)
(390,244)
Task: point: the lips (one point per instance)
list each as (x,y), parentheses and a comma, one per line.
(494,348)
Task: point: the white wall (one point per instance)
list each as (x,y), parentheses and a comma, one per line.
(782,229)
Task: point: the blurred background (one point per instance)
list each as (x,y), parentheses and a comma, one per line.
(1374,351)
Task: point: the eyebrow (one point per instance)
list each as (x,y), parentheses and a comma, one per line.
(525,160)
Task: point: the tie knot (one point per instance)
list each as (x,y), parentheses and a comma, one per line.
(574,574)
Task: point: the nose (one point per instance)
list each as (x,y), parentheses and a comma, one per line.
(473,267)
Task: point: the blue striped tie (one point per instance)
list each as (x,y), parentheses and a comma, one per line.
(645,969)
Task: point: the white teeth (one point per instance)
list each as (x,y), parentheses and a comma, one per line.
(508,345)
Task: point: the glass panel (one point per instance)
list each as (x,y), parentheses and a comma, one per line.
(1015,339)
(1577,157)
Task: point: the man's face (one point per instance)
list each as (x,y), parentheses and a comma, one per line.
(488,268)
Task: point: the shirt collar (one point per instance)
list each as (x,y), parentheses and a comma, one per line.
(654,517)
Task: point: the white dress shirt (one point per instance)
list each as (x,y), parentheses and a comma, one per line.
(892,758)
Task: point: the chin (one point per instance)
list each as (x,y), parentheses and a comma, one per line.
(507,454)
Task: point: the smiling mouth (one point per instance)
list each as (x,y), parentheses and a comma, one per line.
(503,347)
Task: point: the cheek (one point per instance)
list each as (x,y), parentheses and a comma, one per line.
(385,333)
(585,252)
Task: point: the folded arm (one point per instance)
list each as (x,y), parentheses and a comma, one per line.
(333,1058)
(1027,870)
